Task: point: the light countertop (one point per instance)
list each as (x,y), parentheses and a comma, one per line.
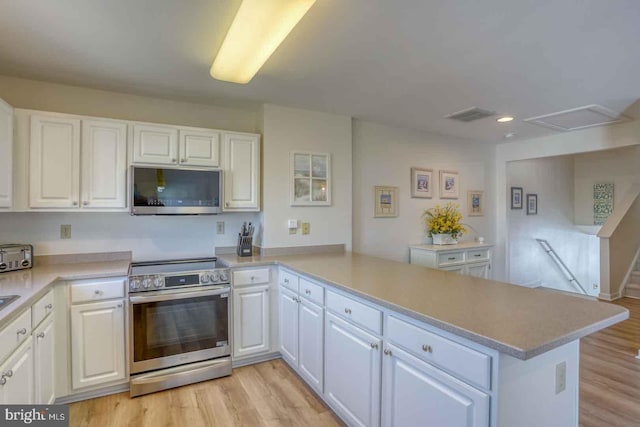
(457,246)
(518,321)
(33,283)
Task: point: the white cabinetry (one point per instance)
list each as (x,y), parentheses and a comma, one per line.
(310,343)
(200,147)
(16,376)
(155,144)
(60,179)
(473,259)
(45,366)
(6,155)
(252,320)
(97,333)
(241,172)
(418,394)
(288,326)
(352,372)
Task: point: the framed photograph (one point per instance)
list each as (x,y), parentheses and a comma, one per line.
(449,185)
(475,203)
(421,183)
(516,197)
(532,204)
(385,202)
(310,179)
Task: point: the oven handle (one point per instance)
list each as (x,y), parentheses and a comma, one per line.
(179,295)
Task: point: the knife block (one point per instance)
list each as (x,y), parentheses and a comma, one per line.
(245,245)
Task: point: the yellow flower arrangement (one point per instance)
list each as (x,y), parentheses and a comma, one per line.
(444,220)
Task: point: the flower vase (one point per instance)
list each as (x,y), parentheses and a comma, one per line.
(444,239)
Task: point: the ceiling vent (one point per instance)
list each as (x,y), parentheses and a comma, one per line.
(578,118)
(470,114)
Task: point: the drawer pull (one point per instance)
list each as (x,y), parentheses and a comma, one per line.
(48,306)
(253,278)
(307,291)
(347,310)
(286,281)
(374,345)
(3,380)
(40,335)
(8,373)
(451,258)
(98,292)
(22,331)
(119,305)
(477,255)
(387,352)
(427,348)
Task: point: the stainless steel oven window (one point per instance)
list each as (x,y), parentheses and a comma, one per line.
(173,327)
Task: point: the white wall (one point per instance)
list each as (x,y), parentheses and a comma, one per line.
(384,155)
(286,130)
(619,166)
(552,179)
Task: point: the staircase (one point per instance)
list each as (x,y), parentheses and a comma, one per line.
(632,289)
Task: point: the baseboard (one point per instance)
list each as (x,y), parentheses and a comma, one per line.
(610,297)
(86,395)
(255,359)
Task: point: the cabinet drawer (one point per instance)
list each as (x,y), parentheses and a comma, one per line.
(461,361)
(450,258)
(97,291)
(361,314)
(478,255)
(289,280)
(251,277)
(14,334)
(311,291)
(41,309)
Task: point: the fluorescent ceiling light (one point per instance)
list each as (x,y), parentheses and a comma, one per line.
(256,32)
(505,119)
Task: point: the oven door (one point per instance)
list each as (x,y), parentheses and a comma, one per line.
(177,327)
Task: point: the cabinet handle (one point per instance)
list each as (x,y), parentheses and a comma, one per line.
(227,204)
(374,345)
(85,203)
(8,373)
(347,310)
(3,380)
(307,291)
(22,331)
(183,160)
(387,352)
(253,278)
(286,281)
(97,292)
(74,203)
(477,255)
(119,306)
(173,160)
(427,348)
(40,335)
(451,258)
(48,306)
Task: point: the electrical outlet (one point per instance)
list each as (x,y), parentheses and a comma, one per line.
(561,377)
(220,227)
(65,231)
(306,228)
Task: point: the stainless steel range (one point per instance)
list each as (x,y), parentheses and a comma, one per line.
(179,323)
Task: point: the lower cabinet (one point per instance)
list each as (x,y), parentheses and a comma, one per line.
(17,376)
(416,393)
(352,372)
(288,325)
(251,313)
(310,343)
(44,362)
(97,343)
(478,270)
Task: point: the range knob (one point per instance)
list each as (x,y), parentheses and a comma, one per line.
(146,283)
(135,284)
(158,282)
(204,278)
(216,276)
(224,276)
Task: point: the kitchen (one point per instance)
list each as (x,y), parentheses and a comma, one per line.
(277,131)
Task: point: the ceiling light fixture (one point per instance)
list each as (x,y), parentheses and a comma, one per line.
(256,32)
(505,119)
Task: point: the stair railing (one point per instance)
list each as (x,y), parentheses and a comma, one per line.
(573,280)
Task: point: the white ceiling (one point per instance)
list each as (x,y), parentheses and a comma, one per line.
(406,63)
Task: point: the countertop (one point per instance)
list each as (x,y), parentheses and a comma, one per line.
(32,284)
(518,321)
(457,246)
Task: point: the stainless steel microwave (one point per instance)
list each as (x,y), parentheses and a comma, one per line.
(174,191)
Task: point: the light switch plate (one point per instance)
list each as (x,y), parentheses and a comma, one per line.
(292,223)
(220,227)
(65,231)
(561,377)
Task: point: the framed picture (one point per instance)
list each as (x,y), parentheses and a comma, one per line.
(449,185)
(516,197)
(532,204)
(310,179)
(385,202)
(421,183)
(475,203)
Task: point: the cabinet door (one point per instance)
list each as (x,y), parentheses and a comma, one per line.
(104,164)
(352,372)
(478,270)
(97,343)
(418,394)
(311,337)
(251,320)
(17,376)
(44,363)
(6,154)
(459,269)
(288,321)
(200,148)
(54,162)
(155,144)
(241,172)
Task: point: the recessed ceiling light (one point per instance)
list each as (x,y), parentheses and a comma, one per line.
(256,32)
(505,119)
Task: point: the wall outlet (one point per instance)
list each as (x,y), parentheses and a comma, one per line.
(561,377)
(220,227)
(65,231)
(306,228)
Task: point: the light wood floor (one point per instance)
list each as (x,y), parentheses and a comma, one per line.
(270,394)
(610,373)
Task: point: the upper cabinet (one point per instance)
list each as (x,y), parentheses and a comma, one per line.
(241,172)
(6,154)
(200,148)
(59,177)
